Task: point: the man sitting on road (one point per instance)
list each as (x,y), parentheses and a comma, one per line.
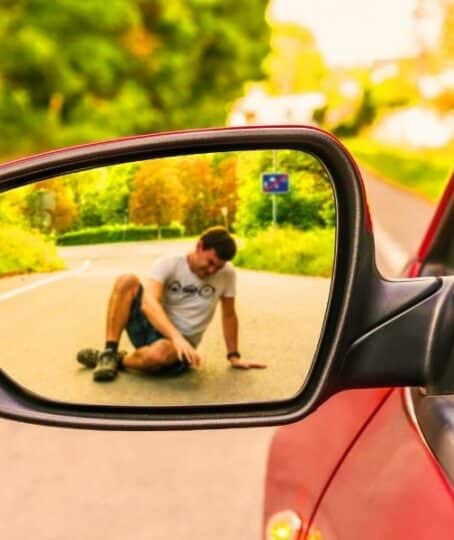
(166,319)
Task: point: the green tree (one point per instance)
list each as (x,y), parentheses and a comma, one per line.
(309,204)
(74,71)
(103,194)
(13,206)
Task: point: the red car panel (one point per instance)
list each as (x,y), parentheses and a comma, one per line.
(440,214)
(389,486)
(304,455)
(358,468)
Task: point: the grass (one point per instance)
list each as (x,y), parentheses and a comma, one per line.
(290,251)
(424,172)
(24,251)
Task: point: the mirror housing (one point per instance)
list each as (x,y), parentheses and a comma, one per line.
(376,332)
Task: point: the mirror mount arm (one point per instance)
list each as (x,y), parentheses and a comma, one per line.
(411,348)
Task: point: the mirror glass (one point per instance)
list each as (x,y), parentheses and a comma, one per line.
(113,259)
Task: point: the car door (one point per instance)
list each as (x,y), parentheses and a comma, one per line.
(396,480)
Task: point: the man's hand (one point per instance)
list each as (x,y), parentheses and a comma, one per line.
(184,348)
(243,364)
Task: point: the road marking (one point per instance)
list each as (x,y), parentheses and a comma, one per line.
(396,256)
(36,284)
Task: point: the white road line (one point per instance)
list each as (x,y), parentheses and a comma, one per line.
(36,284)
(396,256)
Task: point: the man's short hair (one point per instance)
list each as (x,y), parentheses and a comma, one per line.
(219,239)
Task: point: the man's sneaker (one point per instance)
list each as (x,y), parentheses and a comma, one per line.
(107,366)
(88,357)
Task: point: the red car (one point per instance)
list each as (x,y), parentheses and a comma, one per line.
(384,468)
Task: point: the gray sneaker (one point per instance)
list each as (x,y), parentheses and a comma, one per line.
(107,366)
(88,357)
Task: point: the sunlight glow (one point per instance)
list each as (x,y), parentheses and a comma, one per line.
(356,31)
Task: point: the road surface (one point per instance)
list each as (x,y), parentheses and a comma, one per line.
(280,320)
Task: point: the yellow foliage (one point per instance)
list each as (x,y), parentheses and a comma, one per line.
(140,42)
(65,210)
(157,197)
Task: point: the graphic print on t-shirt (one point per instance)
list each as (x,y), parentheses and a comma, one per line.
(175,289)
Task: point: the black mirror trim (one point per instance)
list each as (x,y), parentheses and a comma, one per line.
(349,314)
(353,223)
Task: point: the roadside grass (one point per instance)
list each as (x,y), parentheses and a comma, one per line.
(425,172)
(24,251)
(290,251)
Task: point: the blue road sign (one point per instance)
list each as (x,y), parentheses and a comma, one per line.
(275,183)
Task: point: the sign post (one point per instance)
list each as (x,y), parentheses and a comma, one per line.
(275,183)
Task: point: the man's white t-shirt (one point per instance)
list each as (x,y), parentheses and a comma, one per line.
(189,301)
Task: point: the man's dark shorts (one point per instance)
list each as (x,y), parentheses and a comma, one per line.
(142,333)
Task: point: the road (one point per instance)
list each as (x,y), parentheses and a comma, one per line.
(63,484)
(399,220)
(43,359)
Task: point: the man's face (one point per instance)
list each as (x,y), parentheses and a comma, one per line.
(206,262)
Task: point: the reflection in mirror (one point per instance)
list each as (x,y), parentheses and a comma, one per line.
(109,275)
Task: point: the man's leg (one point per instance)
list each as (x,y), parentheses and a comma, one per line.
(118,312)
(159,354)
(119,307)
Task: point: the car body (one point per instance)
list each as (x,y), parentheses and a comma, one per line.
(374,463)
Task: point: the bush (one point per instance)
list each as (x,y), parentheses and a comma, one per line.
(26,251)
(290,251)
(118,233)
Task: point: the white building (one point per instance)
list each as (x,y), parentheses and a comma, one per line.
(258,108)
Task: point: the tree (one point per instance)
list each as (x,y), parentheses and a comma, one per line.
(79,71)
(157,197)
(310,202)
(210,184)
(53,199)
(13,206)
(103,194)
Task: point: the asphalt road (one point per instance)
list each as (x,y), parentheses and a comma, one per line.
(399,221)
(280,320)
(63,484)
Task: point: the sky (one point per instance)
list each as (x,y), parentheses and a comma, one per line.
(357,31)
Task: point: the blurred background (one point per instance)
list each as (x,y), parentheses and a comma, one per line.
(74,72)
(379,74)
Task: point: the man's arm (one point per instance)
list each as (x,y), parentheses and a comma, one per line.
(230,329)
(155,313)
(229,324)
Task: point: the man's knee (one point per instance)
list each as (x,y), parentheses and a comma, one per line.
(161,353)
(127,283)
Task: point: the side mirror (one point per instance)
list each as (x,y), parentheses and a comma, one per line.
(324,323)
